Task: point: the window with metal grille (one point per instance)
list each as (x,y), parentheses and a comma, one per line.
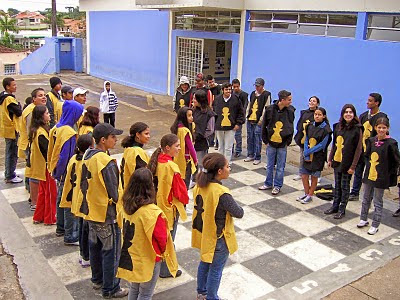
(214,21)
(189,58)
(384,27)
(339,25)
(10,69)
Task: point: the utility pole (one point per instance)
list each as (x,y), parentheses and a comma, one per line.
(53,18)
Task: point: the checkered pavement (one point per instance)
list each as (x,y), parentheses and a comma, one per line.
(287,250)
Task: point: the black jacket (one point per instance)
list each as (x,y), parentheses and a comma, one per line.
(259,107)
(306,116)
(229,113)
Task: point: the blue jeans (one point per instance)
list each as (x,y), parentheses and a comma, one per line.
(105,251)
(238,140)
(11,157)
(278,155)
(358,175)
(209,275)
(84,239)
(254,141)
(144,290)
(164,271)
(60,211)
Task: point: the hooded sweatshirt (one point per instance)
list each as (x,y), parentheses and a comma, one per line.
(72,111)
(108,100)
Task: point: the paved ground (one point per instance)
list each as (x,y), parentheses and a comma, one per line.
(286,250)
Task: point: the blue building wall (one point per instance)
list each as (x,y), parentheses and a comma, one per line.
(41,61)
(131,48)
(234,37)
(337,70)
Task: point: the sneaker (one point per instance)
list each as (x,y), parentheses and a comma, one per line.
(319,180)
(59,234)
(16,179)
(248,158)
(36,222)
(84,263)
(353,197)
(236,155)
(192,184)
(306,200)
(201,297)
(276,190)
(372,230)
(97,286)
(32,207)
(301,197)
(119,294)
(297,178)
(71,243)
(265,167)
(362,224)
(264,187)
(396,213)
(216,147)
(178,273)
(256,162)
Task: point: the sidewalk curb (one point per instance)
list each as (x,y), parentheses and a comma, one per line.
(32,265)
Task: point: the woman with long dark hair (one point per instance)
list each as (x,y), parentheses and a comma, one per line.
(90,119)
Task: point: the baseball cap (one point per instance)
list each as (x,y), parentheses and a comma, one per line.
(105,129)
(67,89)
(183,80)
(259,81)
(199,76)
(79,91)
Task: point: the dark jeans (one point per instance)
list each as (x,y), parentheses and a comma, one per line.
(60,211)
(164,271)
(342,190)
(358,175)
(209,275)
(254,141)
(105,251)
(110,118)
(84,239)
(11,158)
(238,140)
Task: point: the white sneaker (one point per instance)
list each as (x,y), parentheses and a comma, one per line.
(16,179)
(248,158)
(306,200)
(256,162)
(297,178)
(301,197)
(192,184)
(372,230)
(319,179)
(362,224)
(85,263)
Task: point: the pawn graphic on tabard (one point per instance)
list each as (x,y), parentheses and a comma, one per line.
(253,116)
(181,103)
(304,131)
(367,133)
(276,137)
(225,121)
(373,174)
(339,149)
(311,143)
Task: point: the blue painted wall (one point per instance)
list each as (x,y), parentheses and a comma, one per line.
(77,46)
(131,48)
(234,37)
(41,61)
(338,70)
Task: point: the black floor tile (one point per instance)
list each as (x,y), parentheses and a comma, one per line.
(22,209)
(182,292)
(319,212)
(275,208)
(51,245)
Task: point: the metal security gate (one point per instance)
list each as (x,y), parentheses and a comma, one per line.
(189,58)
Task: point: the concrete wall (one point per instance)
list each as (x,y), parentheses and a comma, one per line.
(11,59)
(130,47)
(43,60)
(338,70)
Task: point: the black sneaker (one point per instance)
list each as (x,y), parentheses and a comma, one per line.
(353,197)
(59,234)
(396,213)
(178,273)
(119,294)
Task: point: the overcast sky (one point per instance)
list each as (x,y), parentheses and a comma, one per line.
(33,5)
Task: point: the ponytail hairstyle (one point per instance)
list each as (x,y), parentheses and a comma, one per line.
(91,117)
(166,140)
(84,142)
(181,117)
(342,122)
(37,121)
(139,192)
(130,140)
(323,110)
(211,164)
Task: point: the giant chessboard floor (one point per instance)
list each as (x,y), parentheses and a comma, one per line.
(287,250)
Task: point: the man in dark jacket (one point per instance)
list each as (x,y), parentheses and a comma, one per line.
(277,134)
(243,97)
(230,116)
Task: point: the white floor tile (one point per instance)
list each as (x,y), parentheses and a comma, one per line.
(291,199)
(17,194)
(249,247)
(249,195)
(164,284)
(36,230)
(183,238)
(248,177)
(251,218)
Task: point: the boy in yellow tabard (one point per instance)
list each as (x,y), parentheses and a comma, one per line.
(54,102)
(10,111)
(101,189)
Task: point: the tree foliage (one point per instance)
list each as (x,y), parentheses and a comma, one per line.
(7,24)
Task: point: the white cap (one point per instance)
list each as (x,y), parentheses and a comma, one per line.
(183,80)
(79,91)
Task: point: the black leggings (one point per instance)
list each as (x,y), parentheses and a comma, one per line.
(110,118)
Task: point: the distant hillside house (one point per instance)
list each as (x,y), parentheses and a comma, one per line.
(73,27)
(9,60)
(30,20)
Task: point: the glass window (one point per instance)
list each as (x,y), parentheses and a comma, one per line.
(384,27)
(9,69)
(215,21)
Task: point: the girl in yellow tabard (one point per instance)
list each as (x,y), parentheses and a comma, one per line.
(146,240)
(135,157)
(90,119)
(186,158)
(38,139)
(72,198)
(212,230)
(171,190)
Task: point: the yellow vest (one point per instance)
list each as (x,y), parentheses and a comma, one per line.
(128,163)
(95,199)
(23,132)
(70,195)
(58,137)
(85,129)
(206,239)
(138,257)
(180,159)
(165,175)
(8,126)
(37,160)
(57,105)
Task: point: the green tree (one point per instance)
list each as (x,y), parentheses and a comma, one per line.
(7,24)
(59,18)
(12,11)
